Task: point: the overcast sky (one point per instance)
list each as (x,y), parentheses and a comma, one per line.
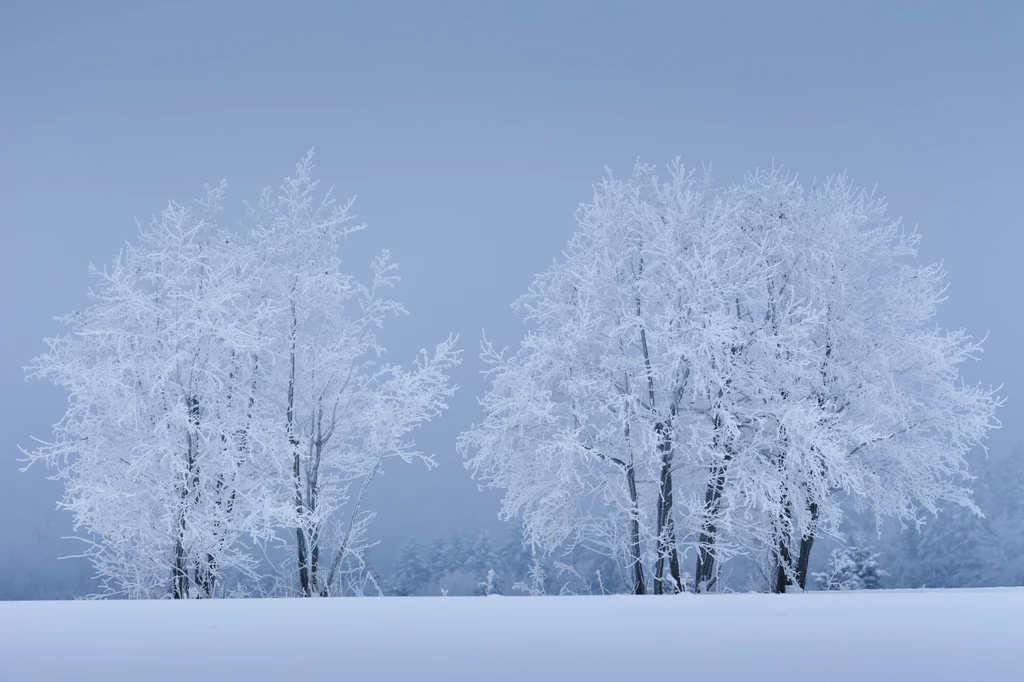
(470,133)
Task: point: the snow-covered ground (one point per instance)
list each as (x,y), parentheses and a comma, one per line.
(963,635)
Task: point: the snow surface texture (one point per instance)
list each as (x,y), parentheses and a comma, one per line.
(876,635)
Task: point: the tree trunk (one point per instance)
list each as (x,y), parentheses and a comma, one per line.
(704,574)
(638,567)
(673,559)
(781,572)
(313,494)
(784,564)
(670,535)
(205,576)
(638,575)
(180,577)
(667,549)
(300,532)
(293,442)
(659,561)
(806,542)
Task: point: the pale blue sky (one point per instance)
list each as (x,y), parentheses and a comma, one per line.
(470,132)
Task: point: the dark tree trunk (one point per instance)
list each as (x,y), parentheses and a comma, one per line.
(673,561)
(667,548)
(784,564)
(300,536)
(179,589)
(638,567)
(658,571)
(313,493)
(704,574)
(670,536)
(293,441)
(314,540)
(659,566)
(205,575)
(782,572)
(668,552)
(189,493)
(806,542)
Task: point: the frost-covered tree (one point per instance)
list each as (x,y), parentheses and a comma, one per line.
(886,418)
(536,583)
(163,458)
(344,411)
(851,568)
(491,585)
(226,386)
(411,572)
(721,369)
(629,378)
(482,554)
(447,555)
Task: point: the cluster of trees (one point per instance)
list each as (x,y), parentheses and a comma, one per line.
(458,565)
(957,548)
(720,372)
(708,373)
(227,392)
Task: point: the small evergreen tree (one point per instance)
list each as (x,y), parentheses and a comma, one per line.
(491,585)
(536,587)
(482,556)
(411,572)
(869,570)
(515,557)
(440,559)
(851,568)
